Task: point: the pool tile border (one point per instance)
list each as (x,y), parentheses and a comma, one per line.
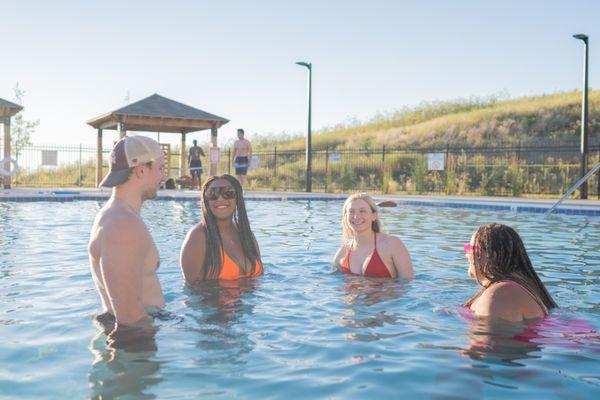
(568,210)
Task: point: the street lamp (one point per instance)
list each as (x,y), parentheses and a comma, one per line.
(584,118)
(308,142)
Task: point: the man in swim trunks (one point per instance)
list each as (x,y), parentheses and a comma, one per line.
(123,256)
(242,158)
(195,163)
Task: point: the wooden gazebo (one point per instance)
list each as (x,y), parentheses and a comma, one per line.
(7,111)
(157,114)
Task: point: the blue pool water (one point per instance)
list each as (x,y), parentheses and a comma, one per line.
(299,331)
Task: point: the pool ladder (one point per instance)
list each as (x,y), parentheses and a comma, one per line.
(572,189)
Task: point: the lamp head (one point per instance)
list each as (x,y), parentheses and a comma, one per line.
(304,64)
(581,36)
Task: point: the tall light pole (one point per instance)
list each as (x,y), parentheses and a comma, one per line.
(308,141)
(583,192)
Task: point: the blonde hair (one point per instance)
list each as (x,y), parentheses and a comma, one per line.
(376,226)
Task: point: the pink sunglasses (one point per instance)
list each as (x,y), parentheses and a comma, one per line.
(469,248)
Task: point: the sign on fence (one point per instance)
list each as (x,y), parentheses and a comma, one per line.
(255,162)
(214,154)
(435,161)
(50,158)
(334,157)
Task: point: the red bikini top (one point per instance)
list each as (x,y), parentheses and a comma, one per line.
(375,268)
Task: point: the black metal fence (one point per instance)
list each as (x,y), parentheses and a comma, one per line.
(513,170)
(510,170)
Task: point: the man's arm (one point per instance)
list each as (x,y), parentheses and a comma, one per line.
(234,153)
(202,152)
(249,154)
(124,248)
(401,259)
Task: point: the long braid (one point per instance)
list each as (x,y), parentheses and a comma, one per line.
(247,238)
(213,261)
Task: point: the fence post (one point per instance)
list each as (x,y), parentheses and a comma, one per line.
(326,166)
(79,177)
(229,161)
(447,165)
(275,162)
(519,150)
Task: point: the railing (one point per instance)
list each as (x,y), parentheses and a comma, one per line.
(572,189)
(508,170)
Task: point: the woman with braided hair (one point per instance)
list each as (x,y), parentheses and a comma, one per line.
(511,289)
(222,245)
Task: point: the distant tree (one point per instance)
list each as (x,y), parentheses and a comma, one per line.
(21,129)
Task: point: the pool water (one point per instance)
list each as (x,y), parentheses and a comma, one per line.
(299,331)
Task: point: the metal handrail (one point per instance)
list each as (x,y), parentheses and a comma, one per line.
(572,189)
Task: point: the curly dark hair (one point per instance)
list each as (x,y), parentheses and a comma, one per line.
(506,259)
(213,261)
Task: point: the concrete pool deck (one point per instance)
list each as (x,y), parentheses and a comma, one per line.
(518,204)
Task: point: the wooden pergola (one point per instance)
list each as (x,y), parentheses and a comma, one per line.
(157,114)
(7,111)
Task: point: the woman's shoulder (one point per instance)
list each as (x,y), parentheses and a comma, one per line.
(387,239)
(197,231)
(507,300)
(344,247)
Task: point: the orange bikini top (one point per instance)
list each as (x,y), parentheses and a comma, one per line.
(230,270)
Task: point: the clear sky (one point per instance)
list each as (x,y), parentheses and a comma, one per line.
(79,59)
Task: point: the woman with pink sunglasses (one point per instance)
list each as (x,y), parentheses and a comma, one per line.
(511,289)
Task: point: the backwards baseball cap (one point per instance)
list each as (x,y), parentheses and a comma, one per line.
(130,152)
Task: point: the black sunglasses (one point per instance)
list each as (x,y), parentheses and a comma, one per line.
(226,192)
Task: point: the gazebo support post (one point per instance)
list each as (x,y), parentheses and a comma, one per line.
(213,141)
(7,179)
(99,160)
(182,156)
(122,130)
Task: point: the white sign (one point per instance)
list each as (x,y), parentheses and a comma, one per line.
(214,155)
(334,157)
(50,157)
(435,161)
(255,162)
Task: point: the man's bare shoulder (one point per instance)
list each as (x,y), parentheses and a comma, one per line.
(117,219)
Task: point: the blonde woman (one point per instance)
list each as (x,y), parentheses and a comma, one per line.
(366,249)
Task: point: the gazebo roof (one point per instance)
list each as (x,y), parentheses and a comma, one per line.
(158,114)
(8,109)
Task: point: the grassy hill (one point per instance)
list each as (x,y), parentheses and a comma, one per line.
(463,122)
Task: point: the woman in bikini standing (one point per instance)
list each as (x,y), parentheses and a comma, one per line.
(511,289)
(222,245)
(366,249)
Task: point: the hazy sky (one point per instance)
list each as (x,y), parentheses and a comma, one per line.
(79,59)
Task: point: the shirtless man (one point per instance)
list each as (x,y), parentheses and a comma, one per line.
(123,256)
(242,158)
(195,163)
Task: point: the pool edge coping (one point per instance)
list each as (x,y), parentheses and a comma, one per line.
(511,204)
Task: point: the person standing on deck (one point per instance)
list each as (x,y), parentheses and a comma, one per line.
(195,163)
(242,158)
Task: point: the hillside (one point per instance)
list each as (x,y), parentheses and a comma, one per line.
(462,122)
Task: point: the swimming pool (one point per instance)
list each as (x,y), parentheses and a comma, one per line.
(298,331)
